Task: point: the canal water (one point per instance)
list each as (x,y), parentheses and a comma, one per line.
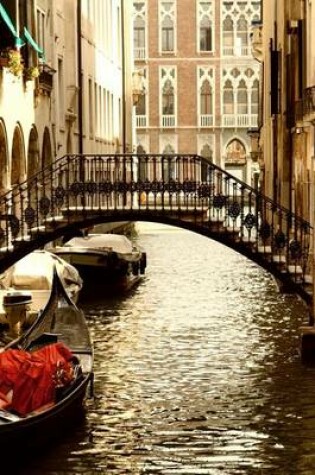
(197,372)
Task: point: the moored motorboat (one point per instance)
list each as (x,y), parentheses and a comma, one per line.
(105,261)
(44,374)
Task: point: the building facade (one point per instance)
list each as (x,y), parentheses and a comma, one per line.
(287,134)
(65,82)
(201,81)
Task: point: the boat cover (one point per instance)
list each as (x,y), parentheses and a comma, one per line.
(35,272)
(118,243)
(28,381)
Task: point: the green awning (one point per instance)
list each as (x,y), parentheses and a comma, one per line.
(8,20)
(32,42)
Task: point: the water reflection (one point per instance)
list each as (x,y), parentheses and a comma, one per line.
(196,372)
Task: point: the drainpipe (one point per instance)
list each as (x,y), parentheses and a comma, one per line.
(80,82)
(123,65)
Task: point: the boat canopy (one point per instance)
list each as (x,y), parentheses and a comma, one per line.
(111,242)
(35,271)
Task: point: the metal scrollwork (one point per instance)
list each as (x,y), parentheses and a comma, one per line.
(15,225)
(44,205)
(91,187)
(60,195)
(29,215)
(295,249)
(250,221)
(219,201)
(105,187)
(265,231)
(234,210)
(77,188)
(280,240)
(2,236)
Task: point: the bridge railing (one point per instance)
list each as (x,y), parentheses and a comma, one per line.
(152,183)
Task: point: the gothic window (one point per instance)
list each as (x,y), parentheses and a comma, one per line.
(206,104)
(168,98)
(241,35)
(205,35)
(142,163)
(255,97)
(167,25)
(169,167)
(228,37)
(206,153)
(242,98)
(139,36)
(167,34)
(237,16)
(228,98)
(139,30)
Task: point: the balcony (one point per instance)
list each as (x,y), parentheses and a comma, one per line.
(236,50)
(168,121)
(206,120)
(141,121)
(139,53)
(239,120)
(305,107)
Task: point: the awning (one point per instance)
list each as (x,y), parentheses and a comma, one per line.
(6,18)
(32,42)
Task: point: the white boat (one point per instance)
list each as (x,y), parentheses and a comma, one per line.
(105,261)
(31,278)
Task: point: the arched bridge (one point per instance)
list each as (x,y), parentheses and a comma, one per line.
(78,191)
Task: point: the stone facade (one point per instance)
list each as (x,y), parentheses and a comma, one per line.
(190,62)
(60,111)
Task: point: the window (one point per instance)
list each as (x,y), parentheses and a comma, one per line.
(167,26)
(139,30)
(168,99)
(206,99)
(228,98)
(242,100)
(205,36)
(167,35)
(255,97)
(41,29)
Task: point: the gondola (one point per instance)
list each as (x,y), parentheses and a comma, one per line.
(61,326)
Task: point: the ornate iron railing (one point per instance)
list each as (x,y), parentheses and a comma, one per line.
(187,190)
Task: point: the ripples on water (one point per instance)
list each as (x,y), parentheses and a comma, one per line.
(196,372)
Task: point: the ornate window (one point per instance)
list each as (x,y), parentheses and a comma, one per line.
(167,26)
(205,25)
(139,30)
(237,18)
(141,104)
(240,97)
(169,165)
(205,96)
(168,96)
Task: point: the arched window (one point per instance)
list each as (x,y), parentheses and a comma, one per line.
(169,167)
(242,98)
(255,97)
(228,98)
(168,98)
(242,34)
(206,153)
(205,35)
(142,172)
(228,41)
(206,100)
(167,34)
(139,37)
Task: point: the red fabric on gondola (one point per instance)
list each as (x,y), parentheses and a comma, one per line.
(34,376)
(10,363)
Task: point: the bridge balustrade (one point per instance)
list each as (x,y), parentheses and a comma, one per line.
(185,190)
